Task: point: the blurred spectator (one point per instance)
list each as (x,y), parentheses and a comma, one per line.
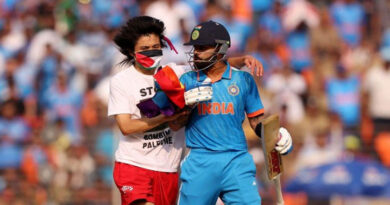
(197,7)
(238,29)
(376,88)
(343,98)
(64,102)
(96,40)
(75,52)
(73,173)
(260,7)
(297,12)
(324,148)
(325,45)
(271,21)
(14,134)
(43,38)
(299,45)
(316,117)
(8,86)
(179,20)
(265,51)
(6,47)
(359,58)
(287,87)
(348,16)
(21,75)
(37,161)
(386,38)
(47,72)
(57,135)
(104,149)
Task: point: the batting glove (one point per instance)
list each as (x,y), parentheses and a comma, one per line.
(198,94)
(284,144)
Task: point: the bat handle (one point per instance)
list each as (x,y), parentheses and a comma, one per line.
(278,188)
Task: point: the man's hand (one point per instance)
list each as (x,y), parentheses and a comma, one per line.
(176,116)
(180,121)
(284,144)
(198,94)
(248,61)
(253,64)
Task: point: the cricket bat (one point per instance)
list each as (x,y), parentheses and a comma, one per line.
(269,137)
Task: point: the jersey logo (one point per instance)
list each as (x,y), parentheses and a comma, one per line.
(233,90)
(215,108)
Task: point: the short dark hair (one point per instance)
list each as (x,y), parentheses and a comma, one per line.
(135,28)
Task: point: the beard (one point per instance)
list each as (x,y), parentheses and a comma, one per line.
(201,64)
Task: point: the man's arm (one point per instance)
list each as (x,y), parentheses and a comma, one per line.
(254,121)
(284,144)
(130,126)
(249,61)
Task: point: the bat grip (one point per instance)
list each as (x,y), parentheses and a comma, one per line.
(278,188)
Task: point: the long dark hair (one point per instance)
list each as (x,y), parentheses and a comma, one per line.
(135,28)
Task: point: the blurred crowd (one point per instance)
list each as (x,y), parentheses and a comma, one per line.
(326,73)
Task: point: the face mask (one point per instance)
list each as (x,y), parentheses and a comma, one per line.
(149,59)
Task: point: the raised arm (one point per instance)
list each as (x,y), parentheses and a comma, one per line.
(248,61)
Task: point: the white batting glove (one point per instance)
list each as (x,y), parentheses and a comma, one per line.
(198,94)
(284,144)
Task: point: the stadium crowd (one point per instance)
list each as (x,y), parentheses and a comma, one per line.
(326,73)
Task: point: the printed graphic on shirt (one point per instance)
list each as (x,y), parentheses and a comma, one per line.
(158,136)
(148,91)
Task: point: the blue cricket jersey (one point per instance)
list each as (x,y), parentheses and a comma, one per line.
(217,124)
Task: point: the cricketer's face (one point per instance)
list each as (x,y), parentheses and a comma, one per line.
(204,57)
(203,52)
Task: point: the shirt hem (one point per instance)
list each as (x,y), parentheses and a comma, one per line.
(147,167)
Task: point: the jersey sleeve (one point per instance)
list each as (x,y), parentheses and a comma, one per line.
(253,104)
(184,80)
(119,102)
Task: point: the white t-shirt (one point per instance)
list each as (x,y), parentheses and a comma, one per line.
(377,83)
(159,149)
(287,91)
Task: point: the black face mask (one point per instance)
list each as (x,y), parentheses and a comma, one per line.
(152,53)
